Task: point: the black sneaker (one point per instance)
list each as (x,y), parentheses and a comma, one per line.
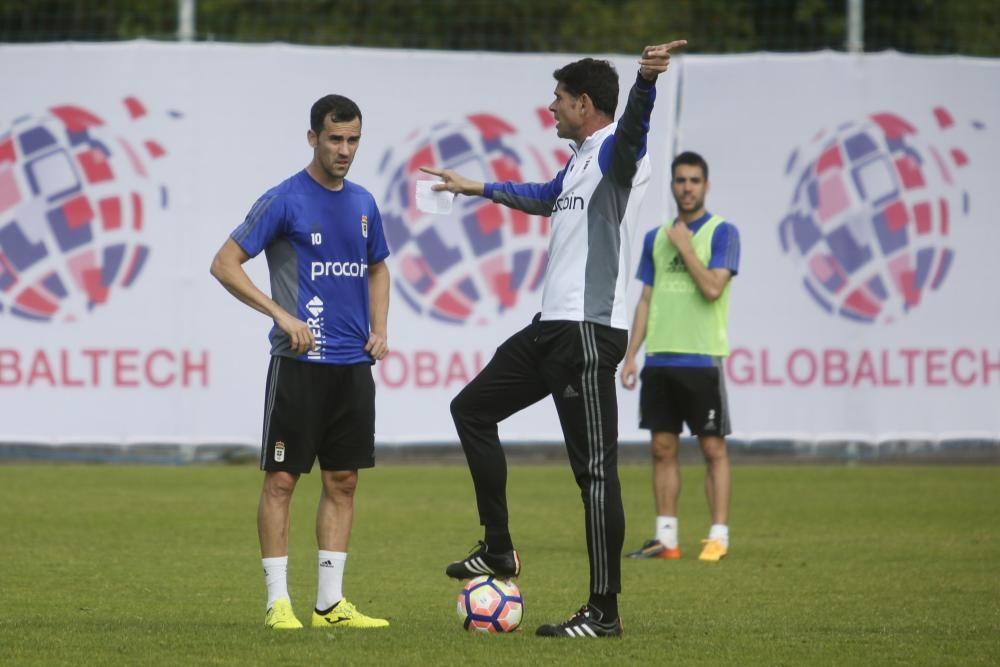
(480,562)
(585,623)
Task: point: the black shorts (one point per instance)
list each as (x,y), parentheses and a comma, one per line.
(675,395)
(323,411)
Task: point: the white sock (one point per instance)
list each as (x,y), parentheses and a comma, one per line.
(276,577)
(719,531)
(666,531)
(331,579)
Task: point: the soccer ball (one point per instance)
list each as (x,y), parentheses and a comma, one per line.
(487,604)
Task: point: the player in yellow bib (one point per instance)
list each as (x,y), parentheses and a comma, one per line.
(682,318)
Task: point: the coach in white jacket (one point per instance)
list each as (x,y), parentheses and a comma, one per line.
(572,348)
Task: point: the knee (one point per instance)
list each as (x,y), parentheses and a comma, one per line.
(457,408)
(340,485)
(465,410)
(714,450)
(279,485)
(664,447)
(461,407)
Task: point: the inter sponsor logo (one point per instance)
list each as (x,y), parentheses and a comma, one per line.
(315,324)
(338,269)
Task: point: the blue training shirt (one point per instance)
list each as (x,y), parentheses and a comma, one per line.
(319,244)
(725,255)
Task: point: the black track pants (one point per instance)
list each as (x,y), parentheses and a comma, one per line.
(575,363)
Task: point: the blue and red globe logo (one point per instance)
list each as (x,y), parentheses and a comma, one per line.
(871,213)
(471,265)
(75,198)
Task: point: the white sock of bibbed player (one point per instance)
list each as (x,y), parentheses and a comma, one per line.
(331,579)
(719,531)
(666,531)
(276,578)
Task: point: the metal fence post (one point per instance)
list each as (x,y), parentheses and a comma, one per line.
(185,20)
(855,26)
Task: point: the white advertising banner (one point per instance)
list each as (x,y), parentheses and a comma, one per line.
(861,187)
(124,167)
(865,192)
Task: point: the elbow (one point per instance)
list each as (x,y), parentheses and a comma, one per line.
(217,269)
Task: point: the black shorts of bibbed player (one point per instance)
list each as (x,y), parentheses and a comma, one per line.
(675,395)
(316,411)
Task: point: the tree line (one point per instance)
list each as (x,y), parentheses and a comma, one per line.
(969,27)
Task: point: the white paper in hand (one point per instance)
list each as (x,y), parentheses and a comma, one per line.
(430,201)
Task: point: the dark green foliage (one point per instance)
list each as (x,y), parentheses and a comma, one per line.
(969,27)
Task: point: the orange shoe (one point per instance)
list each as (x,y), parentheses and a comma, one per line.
(656,549)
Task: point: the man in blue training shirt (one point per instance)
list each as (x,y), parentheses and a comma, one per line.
(322,236)
(682,318)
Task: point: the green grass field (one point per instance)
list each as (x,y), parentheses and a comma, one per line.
(829,565)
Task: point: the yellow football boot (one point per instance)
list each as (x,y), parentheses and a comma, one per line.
(346,615)
(281,617)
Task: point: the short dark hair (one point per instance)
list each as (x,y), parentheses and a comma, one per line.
(597,78)
(691,159)
(342,109)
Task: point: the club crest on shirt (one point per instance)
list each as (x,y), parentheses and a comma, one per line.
(364,226)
